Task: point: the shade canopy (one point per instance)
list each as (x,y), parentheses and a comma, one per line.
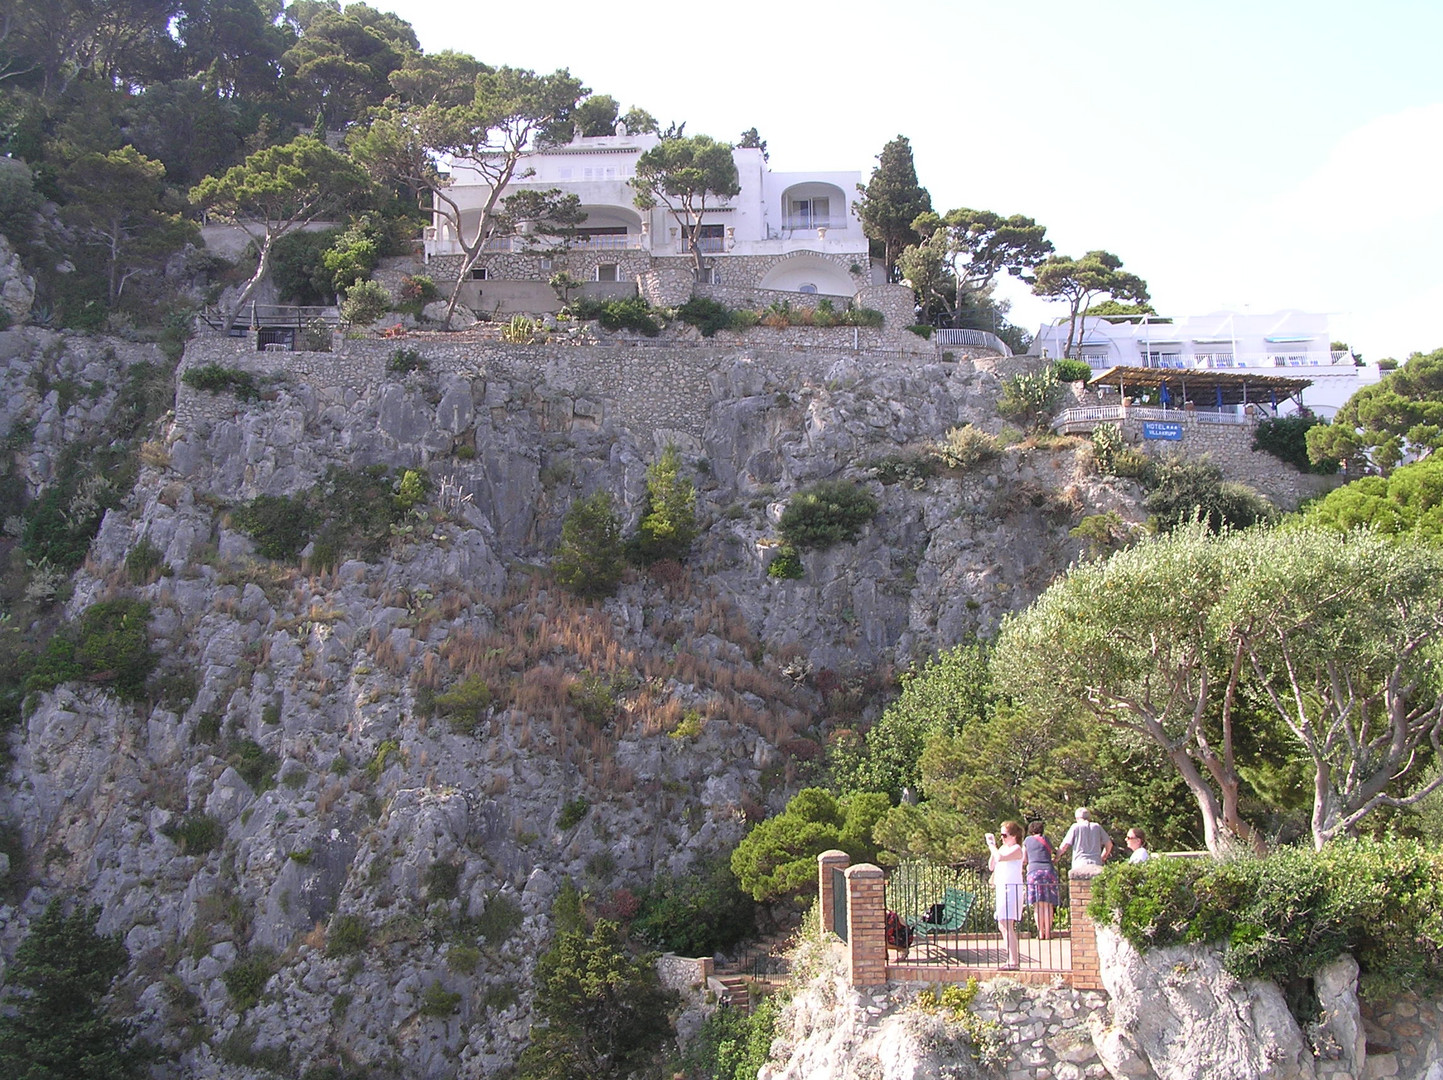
(1211,385)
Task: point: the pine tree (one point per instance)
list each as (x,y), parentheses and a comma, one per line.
(669,525)
(59,1029)
(589,559)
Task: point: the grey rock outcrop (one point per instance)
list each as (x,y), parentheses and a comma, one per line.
(1179,1010)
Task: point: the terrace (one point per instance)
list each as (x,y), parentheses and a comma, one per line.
(1182,396)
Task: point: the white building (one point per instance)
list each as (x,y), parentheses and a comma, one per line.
(789,232)
(1222,340)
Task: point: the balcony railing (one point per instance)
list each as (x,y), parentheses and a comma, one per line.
(1087,417)
(976,339)
(807,221)
(707,245)
(1228,360)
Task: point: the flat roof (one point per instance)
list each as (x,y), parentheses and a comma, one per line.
(1235,384)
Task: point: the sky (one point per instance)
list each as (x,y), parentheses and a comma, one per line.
(1255,155)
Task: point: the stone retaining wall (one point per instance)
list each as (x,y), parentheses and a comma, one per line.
(1230,446)
(641,387)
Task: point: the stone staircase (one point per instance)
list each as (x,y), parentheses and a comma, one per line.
(756,963)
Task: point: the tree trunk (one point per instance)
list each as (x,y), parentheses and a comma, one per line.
(1214,834)
(262,268)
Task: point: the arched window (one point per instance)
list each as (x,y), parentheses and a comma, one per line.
(807,287)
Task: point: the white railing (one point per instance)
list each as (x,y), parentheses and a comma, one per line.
(805,221)
(629,242)
(1089,416)
(1184,361)
(977,339)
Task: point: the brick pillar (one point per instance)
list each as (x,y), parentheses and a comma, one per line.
(867,925)
(828,861)
(1086,972)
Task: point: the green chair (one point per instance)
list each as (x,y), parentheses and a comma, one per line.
(956,906)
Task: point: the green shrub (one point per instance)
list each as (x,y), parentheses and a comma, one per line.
(144,563)
(347,935)
(239,1048)
(594,698)
(1286,438)
(828,513)
(914,470)
(353,254)
(501,918)
(787,565)
(1030,399)
(965,446)
(1285,916)
(1071,371)
(255,764)
(279,524)
(196,834)
(589,560)
(572,813)
(411,490)
(463,959)
(405,361)
(419,288)
(465,704)
(922,330)
(1180,490)
(110,646)
(734,1045)
(388,749)
(246,980)
(706,315)
(215,379)
(442,881)
(439,1002)
(695,914)
(629,313)
(365,302)
(500,997)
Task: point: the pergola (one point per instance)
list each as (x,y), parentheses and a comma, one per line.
(1206,387)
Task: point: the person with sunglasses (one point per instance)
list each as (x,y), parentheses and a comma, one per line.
(1138,845)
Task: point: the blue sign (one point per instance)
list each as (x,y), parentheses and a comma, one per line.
(1159,429)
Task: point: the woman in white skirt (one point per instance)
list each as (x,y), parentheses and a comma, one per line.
(1007,881)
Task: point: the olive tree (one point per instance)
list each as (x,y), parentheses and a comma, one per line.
(1187,638)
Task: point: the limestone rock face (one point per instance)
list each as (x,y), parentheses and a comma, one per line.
(17,288)
(1191,1020)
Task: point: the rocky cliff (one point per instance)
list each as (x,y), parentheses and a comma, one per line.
(288,813)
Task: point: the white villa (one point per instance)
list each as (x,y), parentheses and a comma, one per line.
(785,232)
(1222,340)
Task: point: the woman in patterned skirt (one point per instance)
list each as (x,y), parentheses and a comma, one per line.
(1041,878)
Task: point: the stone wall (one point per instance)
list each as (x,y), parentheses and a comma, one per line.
(1230,446)
(643,387)
(1405,1038)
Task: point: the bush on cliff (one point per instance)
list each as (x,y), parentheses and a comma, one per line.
(1284,916)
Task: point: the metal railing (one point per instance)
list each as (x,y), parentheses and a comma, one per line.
(1091,415)
(1224,360)
(977,339)
(915,886)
